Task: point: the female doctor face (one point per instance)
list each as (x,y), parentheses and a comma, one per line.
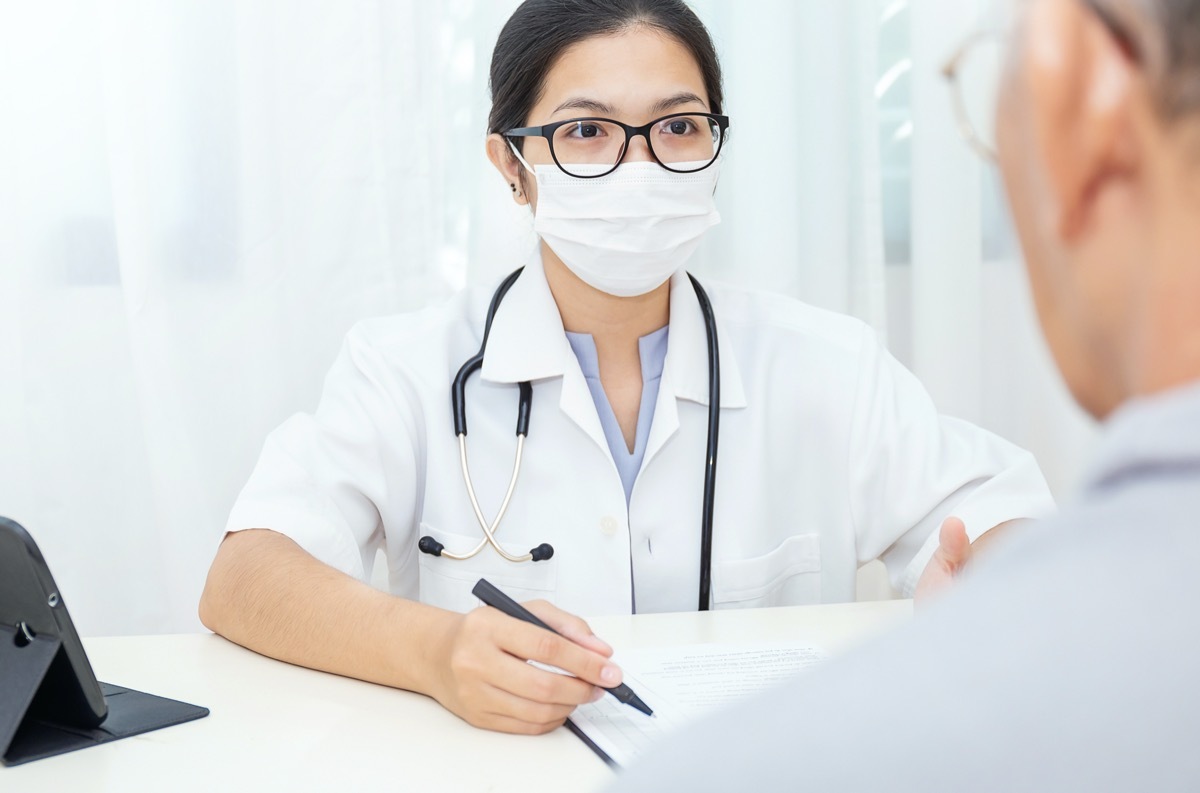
(630,61)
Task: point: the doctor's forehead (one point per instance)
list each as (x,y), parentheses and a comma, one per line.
(633,76)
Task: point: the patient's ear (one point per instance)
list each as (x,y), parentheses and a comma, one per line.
(509,166)
(1086,92)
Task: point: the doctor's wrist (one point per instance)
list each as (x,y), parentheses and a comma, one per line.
(407,649)
(430,662)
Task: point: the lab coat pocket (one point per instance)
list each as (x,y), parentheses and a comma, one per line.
(790,575)
(447,583)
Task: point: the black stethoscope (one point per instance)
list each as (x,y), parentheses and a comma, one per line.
(458,403)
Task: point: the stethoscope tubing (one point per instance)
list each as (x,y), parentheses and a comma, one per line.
(458,388)
(489,532)
(524,410)
(710,457)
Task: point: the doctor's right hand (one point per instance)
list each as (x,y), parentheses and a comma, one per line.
(485,680)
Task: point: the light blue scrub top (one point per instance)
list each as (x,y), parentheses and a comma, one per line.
(653,352)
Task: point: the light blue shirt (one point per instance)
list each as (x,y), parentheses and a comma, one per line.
(653,352)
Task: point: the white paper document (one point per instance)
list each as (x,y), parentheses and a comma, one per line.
(681,683)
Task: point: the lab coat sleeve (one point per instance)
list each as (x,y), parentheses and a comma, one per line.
(911,468)
(326,479)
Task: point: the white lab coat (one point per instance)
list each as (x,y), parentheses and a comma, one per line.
(831,455)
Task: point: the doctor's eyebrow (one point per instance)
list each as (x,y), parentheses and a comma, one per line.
(582,103)
(658,108)
(671,103)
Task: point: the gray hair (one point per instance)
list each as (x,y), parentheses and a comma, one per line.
(1165,35)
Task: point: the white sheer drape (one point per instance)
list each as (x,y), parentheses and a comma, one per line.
(800,194)
(969,320)
(199,197)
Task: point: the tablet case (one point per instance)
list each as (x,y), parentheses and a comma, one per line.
(28,727)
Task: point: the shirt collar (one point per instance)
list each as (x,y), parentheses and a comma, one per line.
(1157,432)
(652,352)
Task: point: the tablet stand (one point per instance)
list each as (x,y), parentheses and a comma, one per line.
(26,735)
(23,667)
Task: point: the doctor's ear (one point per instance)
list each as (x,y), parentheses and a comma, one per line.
(509,166)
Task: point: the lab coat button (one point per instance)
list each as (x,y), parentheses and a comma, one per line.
(608,525)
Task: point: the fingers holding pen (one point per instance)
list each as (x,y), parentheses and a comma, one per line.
(539,716)
(539,685)
(487,681)
(531,643)
(570,626)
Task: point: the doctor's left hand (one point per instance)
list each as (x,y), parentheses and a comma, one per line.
(485,680)
(953,553)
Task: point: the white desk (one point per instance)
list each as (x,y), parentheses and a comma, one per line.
(279,727)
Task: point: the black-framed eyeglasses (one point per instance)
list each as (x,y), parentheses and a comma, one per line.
(588,148)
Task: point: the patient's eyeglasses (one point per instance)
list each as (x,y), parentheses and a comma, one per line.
(974,75)
(975,71)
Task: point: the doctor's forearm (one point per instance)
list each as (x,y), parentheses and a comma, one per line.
(267,594)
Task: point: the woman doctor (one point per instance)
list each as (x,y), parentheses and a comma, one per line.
(607,123)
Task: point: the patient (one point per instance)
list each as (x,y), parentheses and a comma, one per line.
(1070,662)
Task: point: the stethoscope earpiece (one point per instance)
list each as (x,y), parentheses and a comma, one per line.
(542,552)
(430,546)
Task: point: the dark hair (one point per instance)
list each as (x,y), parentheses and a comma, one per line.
(539,31)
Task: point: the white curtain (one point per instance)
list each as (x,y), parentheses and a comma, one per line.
(198,198)
(800,193)
(968,319)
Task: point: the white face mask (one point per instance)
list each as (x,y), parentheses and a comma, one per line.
(626,233)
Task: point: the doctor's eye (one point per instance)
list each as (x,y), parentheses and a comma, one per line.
(678,126)
(586,130)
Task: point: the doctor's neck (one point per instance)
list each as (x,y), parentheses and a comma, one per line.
(612,321)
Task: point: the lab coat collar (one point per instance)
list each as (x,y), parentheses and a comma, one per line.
(687,350)
(528,342)
(685,372)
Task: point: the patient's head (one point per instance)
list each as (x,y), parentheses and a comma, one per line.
(1099,138)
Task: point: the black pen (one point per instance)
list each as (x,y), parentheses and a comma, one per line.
(489,594)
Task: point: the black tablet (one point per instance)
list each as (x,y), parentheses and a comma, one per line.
(50,701)
(31,604)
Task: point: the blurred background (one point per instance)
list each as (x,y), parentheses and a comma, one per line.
(198,198)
